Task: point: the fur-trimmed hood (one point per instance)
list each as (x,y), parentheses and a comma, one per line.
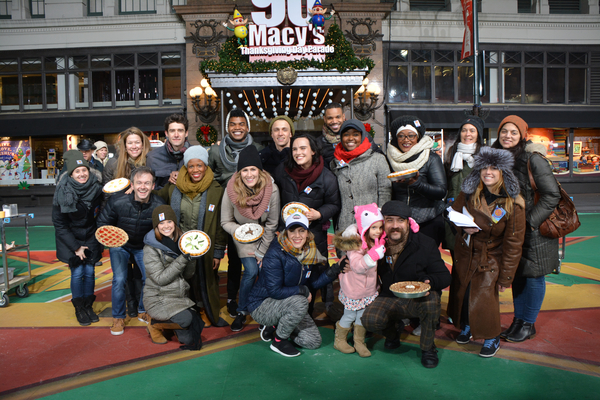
(501,159)
(348,240)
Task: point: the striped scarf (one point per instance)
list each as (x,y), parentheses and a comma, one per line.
(308,255)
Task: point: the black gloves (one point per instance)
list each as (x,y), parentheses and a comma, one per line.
(304,291)
(333,271)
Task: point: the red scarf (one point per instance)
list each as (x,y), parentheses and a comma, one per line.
(304,177)
(347,156)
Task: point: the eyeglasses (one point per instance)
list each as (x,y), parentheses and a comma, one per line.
(409,137)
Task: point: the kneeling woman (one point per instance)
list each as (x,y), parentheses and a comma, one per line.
(166,291)
(486,260)
(280,297)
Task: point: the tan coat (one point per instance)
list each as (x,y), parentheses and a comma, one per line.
(491,258)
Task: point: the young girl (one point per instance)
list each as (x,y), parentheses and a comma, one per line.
(364,243)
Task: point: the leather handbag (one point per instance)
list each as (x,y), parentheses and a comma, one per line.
(563,219)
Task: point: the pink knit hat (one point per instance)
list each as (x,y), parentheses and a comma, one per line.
(366,216)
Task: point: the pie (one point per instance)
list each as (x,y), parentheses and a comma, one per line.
(293,208)
(194,243)
(410,289)
(111,236)
(409,173)
(248,233)
(116,185)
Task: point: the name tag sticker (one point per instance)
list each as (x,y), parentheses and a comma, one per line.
(308,274)
(307,190)
(211,207)
(498,213)
(388,259)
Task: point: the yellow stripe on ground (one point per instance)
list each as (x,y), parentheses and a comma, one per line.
(34,262)
(581,270)
(559,297)
(139,366)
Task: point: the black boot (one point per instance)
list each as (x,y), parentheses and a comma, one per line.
(522,333)
(80,313)
(516,323)
(87,303)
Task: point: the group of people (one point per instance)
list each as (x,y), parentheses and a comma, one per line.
(387,232)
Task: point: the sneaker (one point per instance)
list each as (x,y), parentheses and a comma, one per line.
(490,347)
(144,317)
(232,308)
(118,326)
(267,333)
(284,347)
(464,336)
(416,331)
(238,324)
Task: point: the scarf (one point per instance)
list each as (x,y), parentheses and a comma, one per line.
(402,161)
(68,192)
(171,245)
(192,189)
(464,152)
(255,205)
(346,156)
(330,136)
(308,255)
(395,249)
(230,151)
(177,155)
(304,177)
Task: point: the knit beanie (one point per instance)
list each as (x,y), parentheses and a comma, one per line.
(163,213)
(396,208)
(366,216)
(249,157)
(499,158)
(406,122)
(477,123)
(356,124)
(198,152)
(286,119)
(518,121)
(236,112)
(100,144)
(74,159)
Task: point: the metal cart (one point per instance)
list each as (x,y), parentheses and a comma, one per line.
(18,282)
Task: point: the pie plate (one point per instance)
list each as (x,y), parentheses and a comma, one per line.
(292,208)
(402,177)
(255,232)
(195,243)
(111,236)
(116,185)
(408,295)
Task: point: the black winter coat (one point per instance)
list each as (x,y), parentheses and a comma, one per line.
(427,192)
(419,261)
(135,218)
(271,158)
(324,197)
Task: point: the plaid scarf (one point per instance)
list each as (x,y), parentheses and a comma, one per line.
(308,255)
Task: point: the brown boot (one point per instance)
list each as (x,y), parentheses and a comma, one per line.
(156,334)
(207,322)
(341,339)
(359,341)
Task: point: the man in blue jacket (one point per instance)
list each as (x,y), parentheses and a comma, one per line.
(166,161)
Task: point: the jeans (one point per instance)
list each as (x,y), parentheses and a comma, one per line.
(250,273)
(528,296)
(119,260)
(82,280)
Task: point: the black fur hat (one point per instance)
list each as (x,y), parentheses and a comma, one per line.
(501,159)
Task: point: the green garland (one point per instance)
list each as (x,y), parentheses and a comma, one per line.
(343,59)
(206,135)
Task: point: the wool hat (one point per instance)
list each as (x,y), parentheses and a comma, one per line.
(236,112)
(74,159)
(356,124)
(100,144)
(518,121)
(198,152)
(286,119)
(477,123)
(406,122)
(366,216)
(499,158)
(163,213)
(396,208)
(296,219)
(86,144)
(249,157)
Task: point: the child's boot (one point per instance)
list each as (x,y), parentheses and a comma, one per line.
(341,339)
(359,341)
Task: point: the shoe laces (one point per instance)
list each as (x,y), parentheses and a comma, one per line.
(466,331)
(489,343)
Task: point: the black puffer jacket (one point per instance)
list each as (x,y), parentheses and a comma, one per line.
(540,253)
(427,192)
(271,157)
(324,197)
(135,218)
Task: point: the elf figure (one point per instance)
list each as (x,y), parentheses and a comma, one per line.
(318,14)
(239,30)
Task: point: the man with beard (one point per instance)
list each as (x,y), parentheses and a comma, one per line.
(166,161)
(409,256)
(223,160)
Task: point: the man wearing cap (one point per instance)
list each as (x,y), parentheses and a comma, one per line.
(223,160)
(168,159)
(282,130)
(409,256)
(132,213)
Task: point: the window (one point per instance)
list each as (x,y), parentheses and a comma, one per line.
(5,9)
(38,8)
(429,5)
(137,6)
(94,8)
(564,6)
(524,7)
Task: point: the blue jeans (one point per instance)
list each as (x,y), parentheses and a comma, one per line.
(247,282)
(82,280)
(119,258)
(528,296)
